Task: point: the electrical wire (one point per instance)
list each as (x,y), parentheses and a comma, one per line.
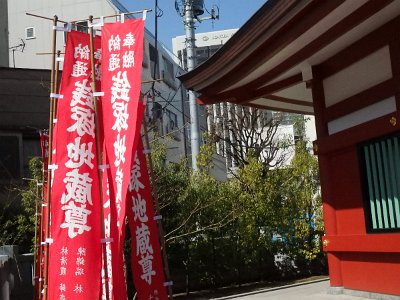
(179,129)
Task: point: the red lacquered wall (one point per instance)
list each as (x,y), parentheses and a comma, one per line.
(357,259)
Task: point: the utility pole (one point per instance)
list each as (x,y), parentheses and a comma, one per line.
(190,45)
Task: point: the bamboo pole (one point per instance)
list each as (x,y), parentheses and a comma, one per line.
(157,208)
(49,53)
(46,18)
(36,262)
(40,247)
(56,87)
(99,158)
(96,18)
(114,15)
(49,176)
(44,177)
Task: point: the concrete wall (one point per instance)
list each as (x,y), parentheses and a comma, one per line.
(24,98)
(16,282)
(170,96)
(3,34)
(24,108)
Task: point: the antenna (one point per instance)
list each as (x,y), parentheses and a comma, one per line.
(20,47)
(198,9)
(179,7)
(214,12)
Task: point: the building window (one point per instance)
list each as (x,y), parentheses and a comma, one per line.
(381,183)
(171,125)
(182,55)
(168,73)
(10,156)
(153,62)
(171,121)
(145,61)
(30,33)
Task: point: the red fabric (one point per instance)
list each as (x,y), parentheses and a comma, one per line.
(121,68)
(74,271)
(115,267)
(122,49)
(44,145)
(147,264)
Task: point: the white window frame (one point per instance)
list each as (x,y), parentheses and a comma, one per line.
(26,33)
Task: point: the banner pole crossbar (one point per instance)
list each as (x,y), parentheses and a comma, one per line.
(116,15)
(95,18)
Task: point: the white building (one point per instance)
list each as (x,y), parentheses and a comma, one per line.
(31,38)
(207,44)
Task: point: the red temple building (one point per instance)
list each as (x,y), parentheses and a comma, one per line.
(338,60)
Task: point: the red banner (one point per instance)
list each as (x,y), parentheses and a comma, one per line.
(122,48)
(146,261)
(74,271)
(115,258)
(115,267)
(44,145)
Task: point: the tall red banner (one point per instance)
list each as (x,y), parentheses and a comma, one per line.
(146,260)
(74,271)
(115,258)
(122,49)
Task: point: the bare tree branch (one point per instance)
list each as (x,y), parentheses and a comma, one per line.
(250,132)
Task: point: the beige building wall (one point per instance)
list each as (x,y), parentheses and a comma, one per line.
(169,94)
(41,42)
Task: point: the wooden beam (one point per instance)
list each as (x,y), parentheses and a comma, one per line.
(275,108)
(271,88)
(306,18)
(360,49)
(367,97)
(266,17)
(336,31)
(394,48)
(243,96)
(358,134)
(289,100)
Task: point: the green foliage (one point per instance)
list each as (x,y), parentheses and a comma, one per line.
(18,214)
(219,233)
(204,159)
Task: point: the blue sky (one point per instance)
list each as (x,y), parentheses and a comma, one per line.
(233,14)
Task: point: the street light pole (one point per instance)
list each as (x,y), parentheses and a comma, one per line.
(190,45)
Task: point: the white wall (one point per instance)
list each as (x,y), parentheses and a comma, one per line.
(73,10)
(66,10)
(170,99)
(204,39)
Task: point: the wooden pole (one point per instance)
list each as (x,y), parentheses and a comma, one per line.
(99,157)
(43,177)
(49,176)
(46,18)
(56,87)
(157,208)
(114,15)
(38,240)
(40,247)
(96,18)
